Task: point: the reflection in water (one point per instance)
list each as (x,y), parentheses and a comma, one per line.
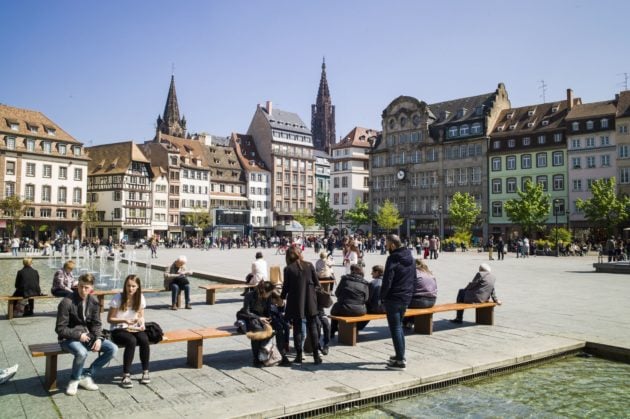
(572,387)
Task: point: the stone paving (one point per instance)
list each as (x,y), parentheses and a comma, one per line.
(550,305)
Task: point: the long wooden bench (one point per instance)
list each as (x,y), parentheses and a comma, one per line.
(194,354)
(422,317)
(11,300)
(211,290)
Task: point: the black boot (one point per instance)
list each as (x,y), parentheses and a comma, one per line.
(298,358)
(316,358)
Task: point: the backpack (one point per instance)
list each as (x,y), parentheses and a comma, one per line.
(154,332)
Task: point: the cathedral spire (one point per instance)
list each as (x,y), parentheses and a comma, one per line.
(323,116)
(170,123)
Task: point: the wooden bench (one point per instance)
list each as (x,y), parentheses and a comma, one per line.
(194,354)
(423,319)
(211,290)
(326,284)
(100,295)
(11,300)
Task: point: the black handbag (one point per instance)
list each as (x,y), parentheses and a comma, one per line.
(154,332)
(324,300)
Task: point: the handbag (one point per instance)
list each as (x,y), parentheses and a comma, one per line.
(154,332)
(269,354)
(324,299)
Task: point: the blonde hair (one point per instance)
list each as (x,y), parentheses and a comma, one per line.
(422,266)
(69,265)
(27,261)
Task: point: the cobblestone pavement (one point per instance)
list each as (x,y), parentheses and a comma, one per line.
(549,305)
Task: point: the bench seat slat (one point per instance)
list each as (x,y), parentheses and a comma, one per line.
(412,312)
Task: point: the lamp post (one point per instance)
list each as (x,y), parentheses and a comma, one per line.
(440,212)
(556,210)
(111,232)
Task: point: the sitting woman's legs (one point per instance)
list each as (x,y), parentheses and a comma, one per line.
(128,340)
(174,292)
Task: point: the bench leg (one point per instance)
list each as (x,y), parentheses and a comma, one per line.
(211,296)
(348,333)
(195,353)
(51,373)
(10,308)
(484,315)
(101,303)
(423,324)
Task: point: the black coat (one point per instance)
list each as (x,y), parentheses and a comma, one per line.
(27,282)
(352,295)
(399,278)
(298,289)
(70,321)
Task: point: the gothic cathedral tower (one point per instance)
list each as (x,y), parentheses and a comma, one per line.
(170,124)
(323,116)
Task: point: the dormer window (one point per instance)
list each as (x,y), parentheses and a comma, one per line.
(32,128)
(604,123)
(554,108)
(500,128)
(531,112)
(13,124)
(479,110)
(76,150)
(62,149)
(452,132)
(445,115)
(530,124)
(50,131)
(545,123)
(513,127)
(510,115)
(461,113)
(511,143)
(464,130)
(575,126)
(526,141)
(589,124)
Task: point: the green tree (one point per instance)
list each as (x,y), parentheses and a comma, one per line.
(13,209)
(199,219)
(463,212)
(359,215)
(305,218)
(325,216)
(89,216)
(388,216)
(605,209)
(531,209)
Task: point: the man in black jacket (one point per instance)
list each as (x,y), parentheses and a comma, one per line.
(27,284)
(80,331)
(396,293)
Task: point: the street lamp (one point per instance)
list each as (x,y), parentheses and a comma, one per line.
(556,210)
(111,230)
(440,212)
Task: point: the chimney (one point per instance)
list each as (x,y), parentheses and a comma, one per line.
(269,107)
(569,99)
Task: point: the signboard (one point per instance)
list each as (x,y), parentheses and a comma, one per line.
(231,217)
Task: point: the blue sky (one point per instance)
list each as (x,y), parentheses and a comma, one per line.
(101,69)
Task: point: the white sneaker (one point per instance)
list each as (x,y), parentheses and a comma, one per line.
(73,386)
(87,383)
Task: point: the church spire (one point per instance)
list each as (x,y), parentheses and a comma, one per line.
(323,115)
(170,123)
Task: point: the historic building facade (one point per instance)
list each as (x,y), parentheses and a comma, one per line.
(45,166)
(323,116)
(428,152)
(623,143)
(120,188)
(286,147)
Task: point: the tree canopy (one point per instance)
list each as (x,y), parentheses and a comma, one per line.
(463,212)
(305,218)
(324,215)
(359,215)
(89,216)
(605,209)
(531,209)
(13,209)
(388,216)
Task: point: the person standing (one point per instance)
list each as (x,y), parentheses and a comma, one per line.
(490,247)
(27,285)
(15,246)
(126,319)
(80,332)
(298,288)
(153,247)
(396,292)
(433,247)
(501,248)
(179,275)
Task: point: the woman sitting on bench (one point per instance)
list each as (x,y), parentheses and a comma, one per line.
(352,296)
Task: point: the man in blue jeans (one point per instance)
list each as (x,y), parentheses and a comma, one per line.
(80,332)
(396,293)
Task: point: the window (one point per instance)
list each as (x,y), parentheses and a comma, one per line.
(9,189)
(10,168)
(511,143)
(45,193)
(76,150)
(541,160)
(623,129)
(557,138)
(497,209)
(527,141)
(590,162)
(524,181)
(476,128)
(589,124)
(30,169)
(576,162)
(542,180)
(61,195)
(496,164)
(558,158)
(496,185)
(510,163)
(78,174)
(542,139)
(29,192)
(29,212)
(623,151)
(558,206)
(452,132)
(63,172)
(30,144)
(590,142)
(526,161)
(464,130)
(46,146)
(496,144)
(558,182)
(624,175)
(344,182)
(510,185)
(605,159)
(604,140)
(575,126)
(62,149)
(577,184)
(11,143)
(44,212)
(76,195)
(47,171)
(61,213)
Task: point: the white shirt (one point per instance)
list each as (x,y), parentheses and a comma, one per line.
(259,270)
(129,314)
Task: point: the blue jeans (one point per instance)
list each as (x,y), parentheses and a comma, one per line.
(14,251)
(175,291)
(80,352)
(395,315)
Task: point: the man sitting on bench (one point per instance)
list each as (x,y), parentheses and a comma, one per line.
(479,290)
(80,331)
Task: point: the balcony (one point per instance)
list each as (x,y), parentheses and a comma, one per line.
(136,204)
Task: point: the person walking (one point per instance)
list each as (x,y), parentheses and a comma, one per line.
(501,248)
(490,247)
(15,246)
(396,292)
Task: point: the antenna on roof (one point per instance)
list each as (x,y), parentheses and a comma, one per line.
(625,80)
(543,87)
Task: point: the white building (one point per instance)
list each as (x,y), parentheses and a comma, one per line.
(159,186)
(44,165)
